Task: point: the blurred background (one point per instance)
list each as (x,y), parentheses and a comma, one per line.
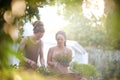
(93,24)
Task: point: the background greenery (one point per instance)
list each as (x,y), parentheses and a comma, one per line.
(104,36)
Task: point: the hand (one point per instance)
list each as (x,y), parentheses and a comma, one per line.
(60,68)
(33,64)
(55,65)
(43,65)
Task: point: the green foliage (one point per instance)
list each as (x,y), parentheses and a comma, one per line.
(42,70)
(72,10)
(47,71)
(86,31)
(63,59)
(6,49)
(86,70)
(6,75)
(112,23)
(113,29)
(106,62)
(6,43)
(112,71)
(13,67)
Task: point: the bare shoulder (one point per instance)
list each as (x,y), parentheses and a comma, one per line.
(52,48)
(23,41)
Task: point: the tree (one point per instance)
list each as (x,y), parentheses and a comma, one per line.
(112,23)
(87,31)
(13,14)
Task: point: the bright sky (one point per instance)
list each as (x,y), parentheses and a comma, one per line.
(52,21)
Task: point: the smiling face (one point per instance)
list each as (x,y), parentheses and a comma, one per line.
(60,39)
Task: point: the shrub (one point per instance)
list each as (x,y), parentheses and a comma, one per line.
(86,70)
(63,58)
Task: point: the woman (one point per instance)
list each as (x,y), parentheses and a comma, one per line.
(58,55)
(33,46)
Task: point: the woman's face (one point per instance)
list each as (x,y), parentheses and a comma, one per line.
(60,39)
(39,35)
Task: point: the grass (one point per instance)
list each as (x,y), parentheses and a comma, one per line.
(21,74)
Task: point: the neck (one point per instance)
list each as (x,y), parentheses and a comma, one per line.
(61,46)
(35,39)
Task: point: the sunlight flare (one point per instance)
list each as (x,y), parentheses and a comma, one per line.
(93,8)
(51,19)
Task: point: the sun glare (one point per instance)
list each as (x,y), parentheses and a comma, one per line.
(52,21)
(93,7)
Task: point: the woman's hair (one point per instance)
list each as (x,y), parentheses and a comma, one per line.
(62,33)
(38,27)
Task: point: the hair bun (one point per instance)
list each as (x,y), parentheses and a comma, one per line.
(36,23)
(38,27)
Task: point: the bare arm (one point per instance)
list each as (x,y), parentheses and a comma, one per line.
(41,55)
(49,58)
(22,47)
